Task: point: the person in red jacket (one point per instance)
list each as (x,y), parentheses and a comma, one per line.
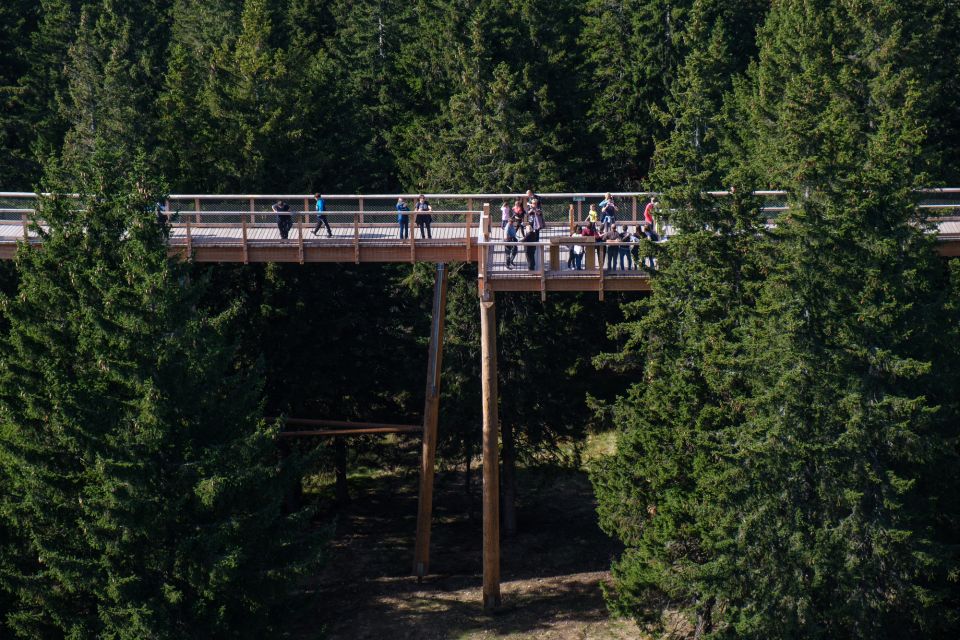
(648,211)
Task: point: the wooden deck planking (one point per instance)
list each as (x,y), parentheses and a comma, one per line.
(379,243)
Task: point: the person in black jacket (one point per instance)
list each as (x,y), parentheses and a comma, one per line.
(284,220)
(529,235)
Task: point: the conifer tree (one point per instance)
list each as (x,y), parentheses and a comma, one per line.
(659,492)
(17,20)
(846,517)
(144,485)
(43,87)
(248,101)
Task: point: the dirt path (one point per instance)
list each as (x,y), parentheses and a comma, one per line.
(552,569)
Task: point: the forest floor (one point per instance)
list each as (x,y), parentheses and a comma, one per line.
(552,569)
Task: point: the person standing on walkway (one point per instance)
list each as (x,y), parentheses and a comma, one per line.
(648,212)
(530,237)
(611,240)
(575,261)
(504,214)
(284,221)
(423,217)
(590,231)
(510,236)
(518,211)
(403,218)
(531,197)
(321,216)
(626,257)
(652,236)
(536,218)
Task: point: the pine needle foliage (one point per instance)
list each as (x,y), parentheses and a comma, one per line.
(144,485)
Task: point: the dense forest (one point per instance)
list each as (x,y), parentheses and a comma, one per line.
(786,401)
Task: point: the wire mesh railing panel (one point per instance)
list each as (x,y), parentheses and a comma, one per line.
(568,259)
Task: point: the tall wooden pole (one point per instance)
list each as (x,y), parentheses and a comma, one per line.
(431,408)
(491,466)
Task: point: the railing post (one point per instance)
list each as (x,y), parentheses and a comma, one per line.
(356,237)
(26,233)
(469,215)
(300,237)
(543,274)
(572,223)
(603,258)
(361,210)
(634,208)
(196,210)
(189,241)
(485,222)
(253,211)
(579,210)
(243,231)
(411,225)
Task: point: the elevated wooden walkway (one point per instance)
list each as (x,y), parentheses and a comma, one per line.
(465,227)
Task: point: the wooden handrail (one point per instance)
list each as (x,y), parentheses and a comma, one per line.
(347,432)
(346,424)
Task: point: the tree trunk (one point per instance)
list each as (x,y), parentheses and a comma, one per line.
(704,619)
(467,473)
(508,481)
(340,461)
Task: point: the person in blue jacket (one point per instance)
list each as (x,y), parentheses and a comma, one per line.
(403,218)
(321,217)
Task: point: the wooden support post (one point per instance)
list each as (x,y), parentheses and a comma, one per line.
(579,210)
(361,210)
(491,466)
(189,241)
(253,211)
(634,209)
(26,233)
(196,210)
(431,408)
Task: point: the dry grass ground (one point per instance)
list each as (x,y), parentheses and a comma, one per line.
(552,569)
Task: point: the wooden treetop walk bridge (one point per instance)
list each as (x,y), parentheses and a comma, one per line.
(463,227)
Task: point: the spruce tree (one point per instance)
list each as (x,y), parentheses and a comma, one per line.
(144,485)
(659,493)
(847,521)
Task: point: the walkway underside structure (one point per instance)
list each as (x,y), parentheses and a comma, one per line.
(360,229)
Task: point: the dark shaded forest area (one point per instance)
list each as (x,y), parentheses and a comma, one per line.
(785,402)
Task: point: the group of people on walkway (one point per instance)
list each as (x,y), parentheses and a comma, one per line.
(618,246)
(422,217)
(522,222)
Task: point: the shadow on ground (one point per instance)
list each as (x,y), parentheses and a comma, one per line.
(551,570)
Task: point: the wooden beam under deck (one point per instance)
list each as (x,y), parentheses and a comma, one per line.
(570,283)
